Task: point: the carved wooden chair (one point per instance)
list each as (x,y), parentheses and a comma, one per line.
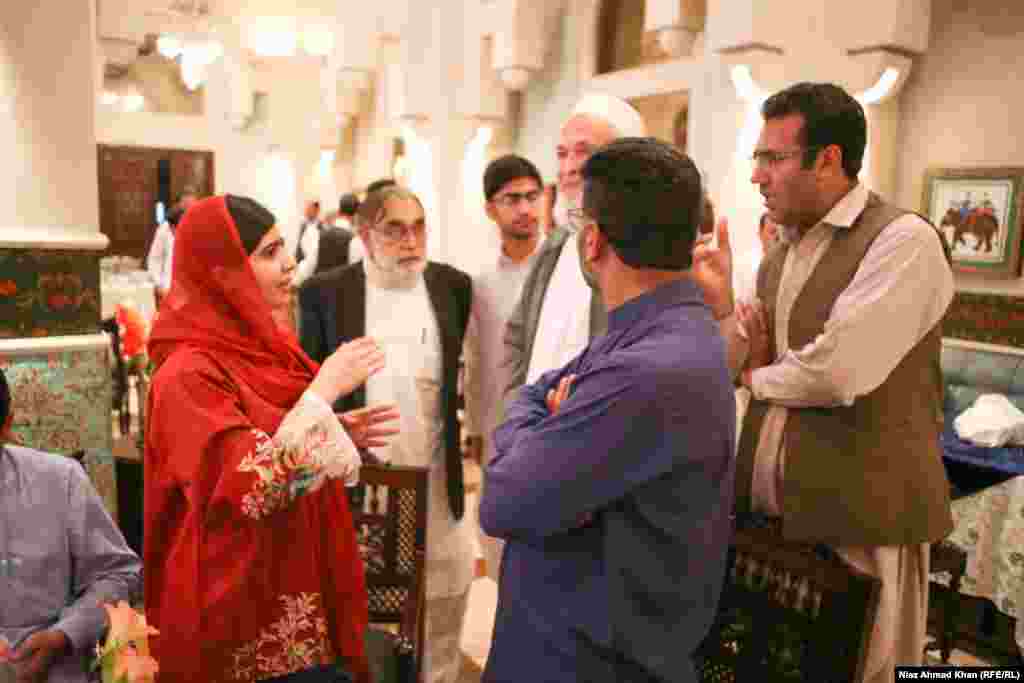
(788,612)
(390,514)
(945,602)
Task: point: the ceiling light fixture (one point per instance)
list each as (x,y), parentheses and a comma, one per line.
(318,40)
(193,53)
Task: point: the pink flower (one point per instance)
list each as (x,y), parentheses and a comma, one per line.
(132,327)
(125,657)
(5,649)
(128,626)
(133,667)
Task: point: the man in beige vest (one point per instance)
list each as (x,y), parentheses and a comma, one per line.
(841,355)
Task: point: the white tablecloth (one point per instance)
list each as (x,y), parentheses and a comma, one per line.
(133,288)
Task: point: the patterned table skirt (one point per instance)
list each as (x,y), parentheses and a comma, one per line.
(989,525)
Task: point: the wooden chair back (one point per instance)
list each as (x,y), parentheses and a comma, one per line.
(390,515)
(788,612)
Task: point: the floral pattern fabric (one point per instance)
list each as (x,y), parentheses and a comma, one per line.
(309,446)
(989,525)
(62,405)
(295,642)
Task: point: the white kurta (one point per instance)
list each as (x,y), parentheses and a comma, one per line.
(403,322)
(495,294)
(160,260)
(310,244)
(900,290)
(563,330)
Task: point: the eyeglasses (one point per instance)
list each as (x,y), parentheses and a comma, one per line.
(396,232)
(512,199)
(766,158)
(578,219)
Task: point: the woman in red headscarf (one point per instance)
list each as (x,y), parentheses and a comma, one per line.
(252,571)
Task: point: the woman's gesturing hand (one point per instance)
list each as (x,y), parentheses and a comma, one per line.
(347,368)
(366,426)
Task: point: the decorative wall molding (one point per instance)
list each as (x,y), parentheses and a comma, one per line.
(643,81)
(675,24)
(49,237)
(523,31)
(834,40)
(33,346)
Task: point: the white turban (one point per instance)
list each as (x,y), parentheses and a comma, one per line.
(620,114)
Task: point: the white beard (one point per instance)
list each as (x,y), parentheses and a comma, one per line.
(385,271)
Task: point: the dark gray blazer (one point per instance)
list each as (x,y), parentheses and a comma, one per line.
(522,324)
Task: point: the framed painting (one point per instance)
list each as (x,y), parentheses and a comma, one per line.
(980,211)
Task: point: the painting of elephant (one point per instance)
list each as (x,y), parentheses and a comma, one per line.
(979,210)
(983,225)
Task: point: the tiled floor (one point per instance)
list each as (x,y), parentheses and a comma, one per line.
(483,597)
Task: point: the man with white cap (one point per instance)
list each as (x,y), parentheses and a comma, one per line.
(555,297)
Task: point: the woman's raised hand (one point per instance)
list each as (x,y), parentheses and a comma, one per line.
(347,368)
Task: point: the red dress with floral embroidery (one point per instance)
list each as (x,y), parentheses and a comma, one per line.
(251,564)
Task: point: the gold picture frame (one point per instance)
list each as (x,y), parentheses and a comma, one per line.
(980,212)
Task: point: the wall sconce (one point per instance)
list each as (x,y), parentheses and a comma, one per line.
(318,40)
(194,54)
(743,81)
(880,90)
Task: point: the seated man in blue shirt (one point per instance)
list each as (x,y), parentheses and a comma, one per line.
(612,481)
(61,558)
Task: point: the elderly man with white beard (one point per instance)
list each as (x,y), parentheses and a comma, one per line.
(555,295)
(419,312)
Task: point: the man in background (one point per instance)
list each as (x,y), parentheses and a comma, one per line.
(513,192)
(160,258)
(309,230)
(61,558)
(330,245)
(348,205)
(745,271)
(558,311)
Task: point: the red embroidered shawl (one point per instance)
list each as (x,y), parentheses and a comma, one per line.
(236,594)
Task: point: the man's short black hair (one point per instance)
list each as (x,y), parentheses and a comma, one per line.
(348,205)
(646,197)
(5,400)
(831,117)
(175,215)
(504,170)
(380,184)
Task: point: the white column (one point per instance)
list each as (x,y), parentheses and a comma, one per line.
(50,240)
(47,127)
